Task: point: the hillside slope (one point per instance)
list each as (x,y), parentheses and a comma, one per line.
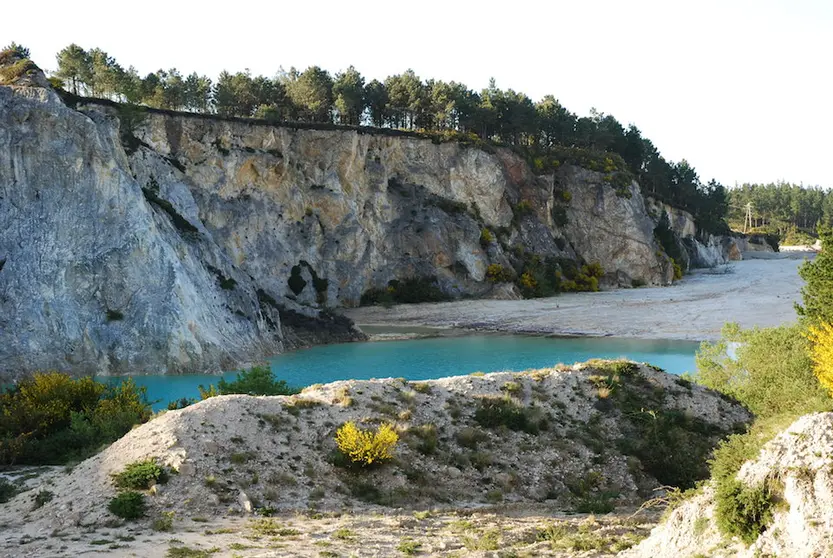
(591,437)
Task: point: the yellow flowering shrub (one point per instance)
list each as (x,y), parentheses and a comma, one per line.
(821,353)
(365,447)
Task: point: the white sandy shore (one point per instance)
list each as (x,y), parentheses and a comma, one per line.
(754,292)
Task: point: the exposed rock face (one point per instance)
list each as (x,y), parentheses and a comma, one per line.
(700,248)
(800,459)
(617,230)
(360,210)
(95,278)
(181,242)
(753,243)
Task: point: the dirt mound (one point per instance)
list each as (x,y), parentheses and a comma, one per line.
(588,438)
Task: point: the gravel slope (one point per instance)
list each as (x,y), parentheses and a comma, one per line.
(755,292)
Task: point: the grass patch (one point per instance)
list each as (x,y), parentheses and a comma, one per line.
(186,552)
(494,412)
(409,546)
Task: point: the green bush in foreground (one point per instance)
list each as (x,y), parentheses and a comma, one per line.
(128,505)
(140,475)
(51,418)
(771,374)
(741,510)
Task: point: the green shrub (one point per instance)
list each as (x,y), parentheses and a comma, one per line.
(406,291)
(51,418)
(128,505)
(426,438)
(817,293)
(524,207)
(745,511)
(470,437)
(12,72)
(742,510)
(140,475)
(42,498)
(486,238)
(408,546)
(652,431)
(494,412)
(165,522)
(584,279)
(258,380)
(771,373)
(7,491)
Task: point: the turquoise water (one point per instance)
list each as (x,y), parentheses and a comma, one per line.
(424,359)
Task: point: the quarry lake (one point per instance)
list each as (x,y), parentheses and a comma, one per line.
(424,359)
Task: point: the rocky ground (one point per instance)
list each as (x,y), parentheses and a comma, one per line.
(485,464)
(753,292)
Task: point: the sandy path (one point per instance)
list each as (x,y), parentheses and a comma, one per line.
(755,292)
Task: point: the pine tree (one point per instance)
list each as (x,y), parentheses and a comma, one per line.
(818,292)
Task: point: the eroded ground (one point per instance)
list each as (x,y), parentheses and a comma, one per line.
(525,531)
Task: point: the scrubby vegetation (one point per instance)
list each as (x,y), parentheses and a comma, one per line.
(140,475)
(365,447)
(406,291)
(817,293)
(494,412)
(51,418)
(258,380)
(655,433)
(779,374)
(541,277)
(770,371)
(128,505)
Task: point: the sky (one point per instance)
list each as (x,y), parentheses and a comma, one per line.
(740,89)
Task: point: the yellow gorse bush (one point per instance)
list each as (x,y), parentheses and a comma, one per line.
(821,353)
(366,447)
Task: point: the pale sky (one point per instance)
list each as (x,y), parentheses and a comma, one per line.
(739,88)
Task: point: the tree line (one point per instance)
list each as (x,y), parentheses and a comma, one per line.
(788,210)
(403,101)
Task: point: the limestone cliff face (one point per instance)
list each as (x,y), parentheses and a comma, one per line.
(700,248)
(186,243)
(360,210)
(94,278)
(613,229)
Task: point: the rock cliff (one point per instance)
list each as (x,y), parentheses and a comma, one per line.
(699,248)
(147,241)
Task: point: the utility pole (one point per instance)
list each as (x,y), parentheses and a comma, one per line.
(748,218)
